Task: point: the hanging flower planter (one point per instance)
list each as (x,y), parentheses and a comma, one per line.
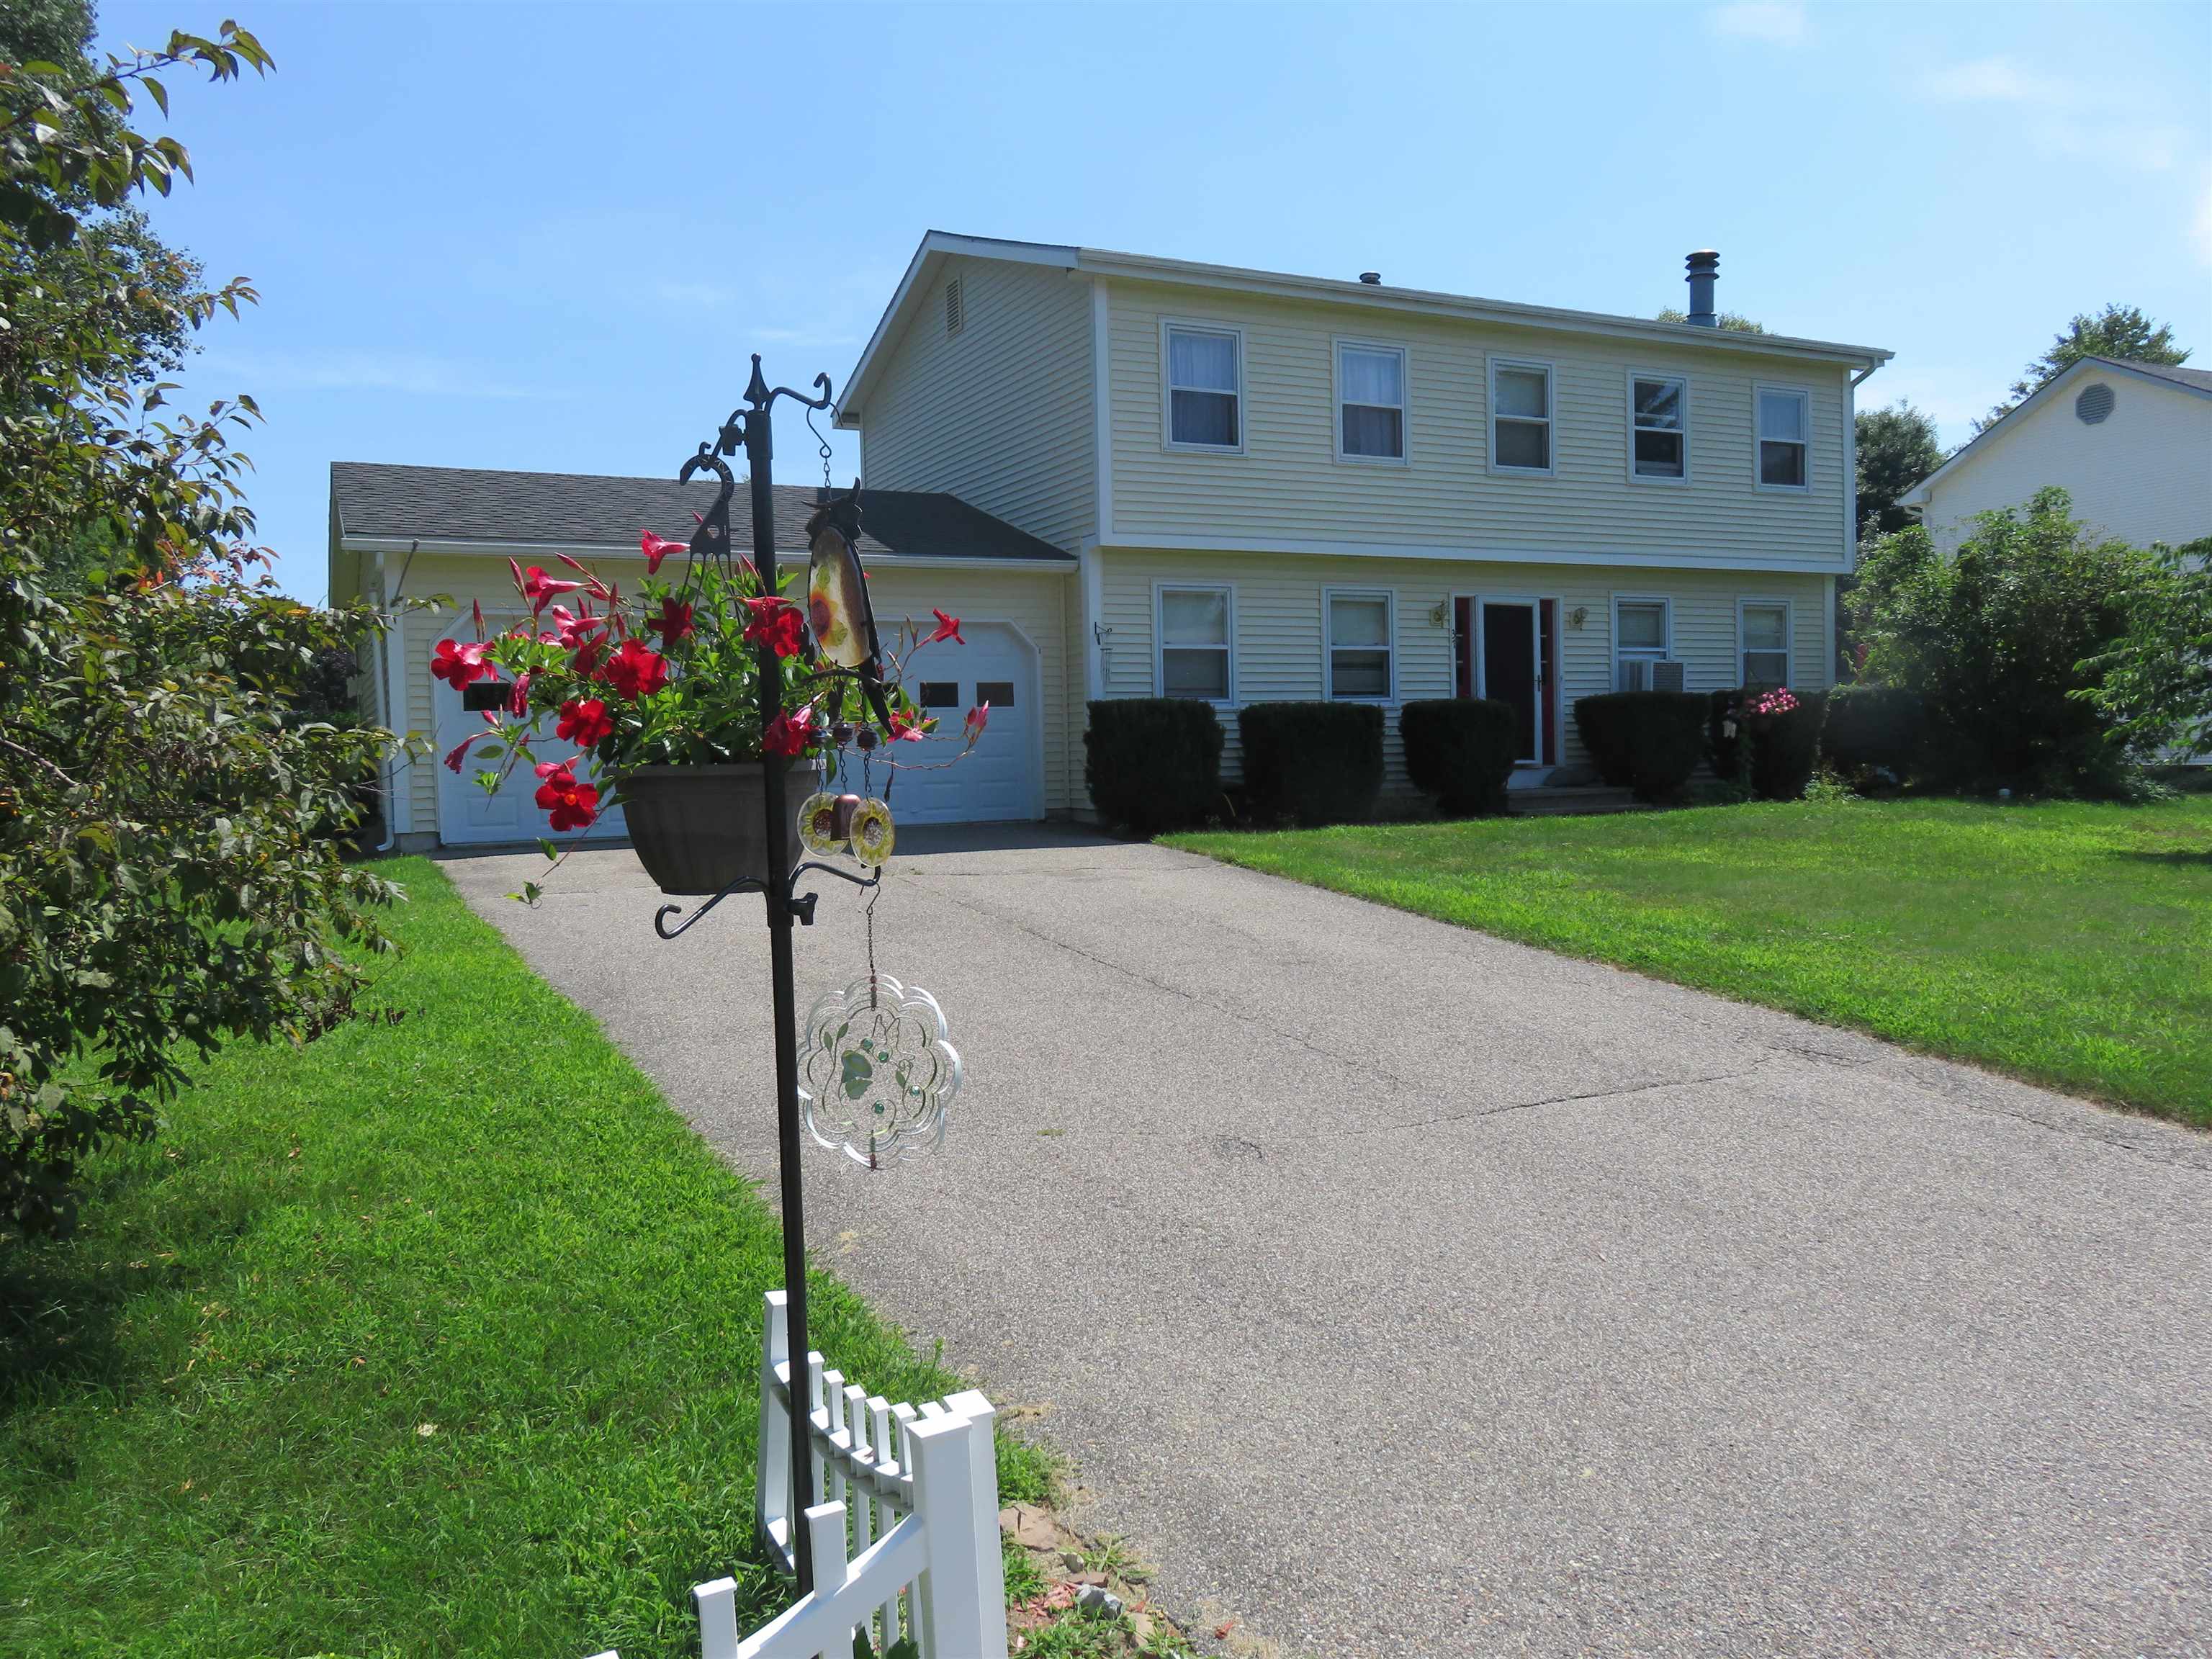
(699,829)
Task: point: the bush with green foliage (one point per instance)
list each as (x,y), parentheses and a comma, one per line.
(1461,750)
(2156,681)
(1315,762)
(1768,742)
(2007,645)
(166,879)
(1153,763)
(1648,741)
(1873,729)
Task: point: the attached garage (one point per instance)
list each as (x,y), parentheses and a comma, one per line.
(408,533)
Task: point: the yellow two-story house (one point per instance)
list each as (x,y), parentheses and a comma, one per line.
(1137,477)
(1282,487)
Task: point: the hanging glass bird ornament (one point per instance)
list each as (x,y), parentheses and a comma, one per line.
(873,833)
(877,1071)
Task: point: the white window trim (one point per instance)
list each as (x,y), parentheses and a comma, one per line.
(1551,416)
(1804,395)
(1199,325)
(1666,652)
(1389,597)
(1789,635)
(1159,636)
(1629,392)
(1336,349)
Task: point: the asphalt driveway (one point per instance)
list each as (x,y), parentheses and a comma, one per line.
(1403,1292)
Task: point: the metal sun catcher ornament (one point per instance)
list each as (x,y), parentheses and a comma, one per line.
(877,1071)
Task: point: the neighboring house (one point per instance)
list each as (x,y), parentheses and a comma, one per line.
(2130,442)
(1190,480)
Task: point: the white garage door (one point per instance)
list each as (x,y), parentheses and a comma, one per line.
(466,816)
(1002,778)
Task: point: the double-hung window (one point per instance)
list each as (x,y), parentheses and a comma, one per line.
(1359,644)
(1785,421)
(1370,396)
(1196,625)
(1205,383)
(1762,632)
(1520,417)
(1639,638)
(1659,421)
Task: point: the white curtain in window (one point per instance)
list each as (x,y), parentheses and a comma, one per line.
(1765,627)
(1373,377)
(1195,617)
(1782,417)
(1523,393)
(1204,362)
(1643,627)
(1356,621)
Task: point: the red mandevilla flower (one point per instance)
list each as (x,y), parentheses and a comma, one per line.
(573,631)
(788,734)
(459,753)
(655,550)
(583,721)
(518,701)
(538,588)
(460,664)
(948,628)
(776,621)
(911,731)
(978,718)
(673,623)
(570,805)
(636,670)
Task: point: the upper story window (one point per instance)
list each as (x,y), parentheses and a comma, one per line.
(1359,643)
(1370,396)
(1205,380)
(1785,429)
(1659,423)
(1520,417)
(1762,631)
(1195,626)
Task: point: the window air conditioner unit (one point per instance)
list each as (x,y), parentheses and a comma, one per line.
(1650,674)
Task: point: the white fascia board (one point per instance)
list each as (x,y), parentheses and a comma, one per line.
(625,551)
(1608,558)
(937,247)
(1139,268)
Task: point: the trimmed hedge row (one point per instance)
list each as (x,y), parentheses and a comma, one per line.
(1153,763)
(1873,729)
(1647,741)
(1316,762)
(1461,750)
(1785,749)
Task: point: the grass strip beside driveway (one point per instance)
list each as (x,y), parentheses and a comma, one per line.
(440,1336)
(2067,944)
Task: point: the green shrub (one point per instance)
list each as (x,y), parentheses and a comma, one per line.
(2009,643)
(1461,750)
(1874,728)
(1647,741)
(1785,748)
(1153,763)
(1318,762)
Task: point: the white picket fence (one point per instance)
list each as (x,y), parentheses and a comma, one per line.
(906,1539)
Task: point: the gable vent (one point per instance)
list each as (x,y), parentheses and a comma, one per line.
(2094,405)
(956,308)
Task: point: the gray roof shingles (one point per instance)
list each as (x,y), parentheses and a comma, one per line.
(468,504)
(2197,380)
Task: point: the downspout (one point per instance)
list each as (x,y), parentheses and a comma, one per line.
(1851,510)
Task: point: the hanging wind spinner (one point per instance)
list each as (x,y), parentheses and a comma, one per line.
(877,1071)
(876,1067)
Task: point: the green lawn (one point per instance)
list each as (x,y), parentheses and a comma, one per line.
(438,1336)
(2067,944)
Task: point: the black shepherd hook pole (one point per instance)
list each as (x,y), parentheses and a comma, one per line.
(760,457)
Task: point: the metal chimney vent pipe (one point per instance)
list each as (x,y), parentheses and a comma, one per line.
(1372,278)
(1705,266)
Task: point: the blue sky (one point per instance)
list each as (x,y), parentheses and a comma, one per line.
(547,236)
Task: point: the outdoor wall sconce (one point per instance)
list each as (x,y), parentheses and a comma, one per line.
(1440,614)
(1577,617)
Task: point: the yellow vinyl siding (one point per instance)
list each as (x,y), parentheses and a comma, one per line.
(1000,413)
(1288,485)
(1277,645)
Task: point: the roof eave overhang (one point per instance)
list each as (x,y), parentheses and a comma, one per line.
(1138,268)
(513,549)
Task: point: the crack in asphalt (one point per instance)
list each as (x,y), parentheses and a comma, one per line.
(1594,1094)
